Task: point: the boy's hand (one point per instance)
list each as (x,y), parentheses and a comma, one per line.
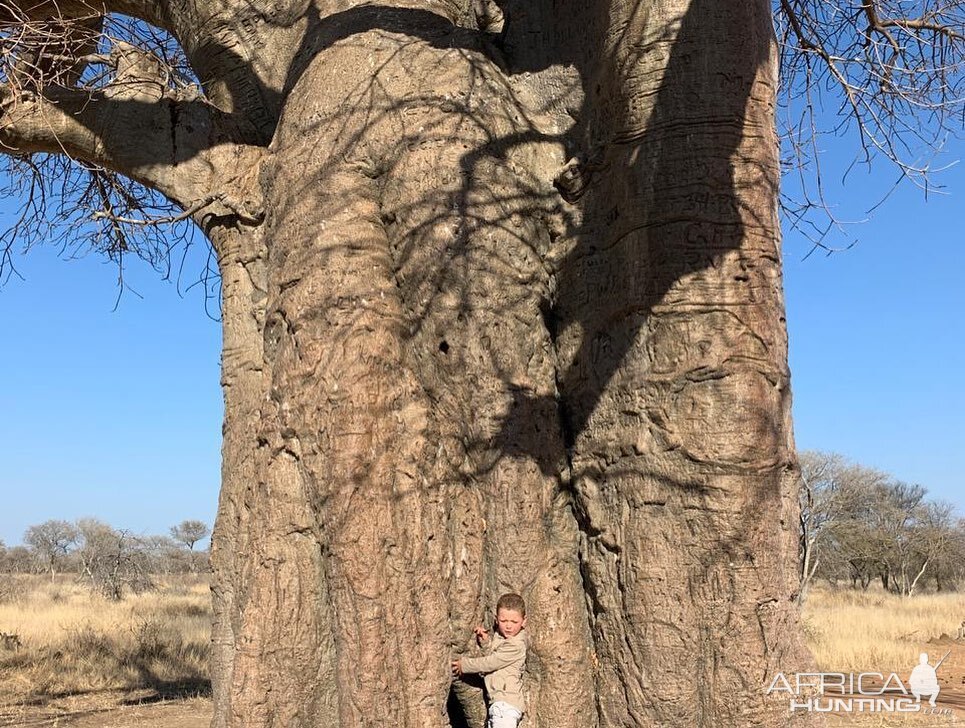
(482,635)
(457,668)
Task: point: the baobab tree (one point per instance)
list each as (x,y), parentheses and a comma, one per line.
(502,310)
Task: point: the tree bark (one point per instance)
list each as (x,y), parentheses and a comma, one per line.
(403,332)
(469,386)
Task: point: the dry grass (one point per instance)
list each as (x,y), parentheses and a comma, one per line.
(75,642)
(854,630)
(79,644)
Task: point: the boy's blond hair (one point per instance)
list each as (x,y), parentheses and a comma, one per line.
(512,601)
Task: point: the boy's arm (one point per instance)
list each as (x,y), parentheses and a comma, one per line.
(506,654)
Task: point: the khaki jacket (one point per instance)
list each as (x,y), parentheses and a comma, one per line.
(502,668)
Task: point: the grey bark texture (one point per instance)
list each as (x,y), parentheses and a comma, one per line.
(502,312)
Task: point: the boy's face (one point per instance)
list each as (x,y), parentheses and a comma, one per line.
(509,622)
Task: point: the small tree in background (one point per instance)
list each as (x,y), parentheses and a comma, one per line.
(96,540)
(190,532)
(834,499)
(17,560)
(934,544)
(113,559)
(949,569)
(50,541)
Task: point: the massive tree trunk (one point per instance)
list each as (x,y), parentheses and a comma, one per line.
(502,312)
(471,386)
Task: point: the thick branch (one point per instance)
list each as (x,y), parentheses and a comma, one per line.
(876,23)
(177,146)
(921,24)
(123,134)
(18,11)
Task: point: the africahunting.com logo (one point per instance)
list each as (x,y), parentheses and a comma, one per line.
(863,692)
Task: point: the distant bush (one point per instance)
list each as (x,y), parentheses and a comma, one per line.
(14,588)
(113,562)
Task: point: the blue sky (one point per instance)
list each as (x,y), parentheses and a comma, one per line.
(877,334)
(109,413)
(116,413)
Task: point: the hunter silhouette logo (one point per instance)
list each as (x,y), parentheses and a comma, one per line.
(872,692)
(924,679)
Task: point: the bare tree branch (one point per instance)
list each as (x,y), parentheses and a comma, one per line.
(113,142)
(896,80)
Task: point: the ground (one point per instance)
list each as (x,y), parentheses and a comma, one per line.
(108,710)
(950,708)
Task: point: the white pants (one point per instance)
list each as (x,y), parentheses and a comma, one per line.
(503,715)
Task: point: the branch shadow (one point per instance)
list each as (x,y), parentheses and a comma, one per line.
(660,207)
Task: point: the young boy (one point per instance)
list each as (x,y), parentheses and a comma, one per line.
(502,664)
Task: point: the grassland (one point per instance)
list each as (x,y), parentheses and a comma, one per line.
(853,630)
(80,652)
(74,642)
